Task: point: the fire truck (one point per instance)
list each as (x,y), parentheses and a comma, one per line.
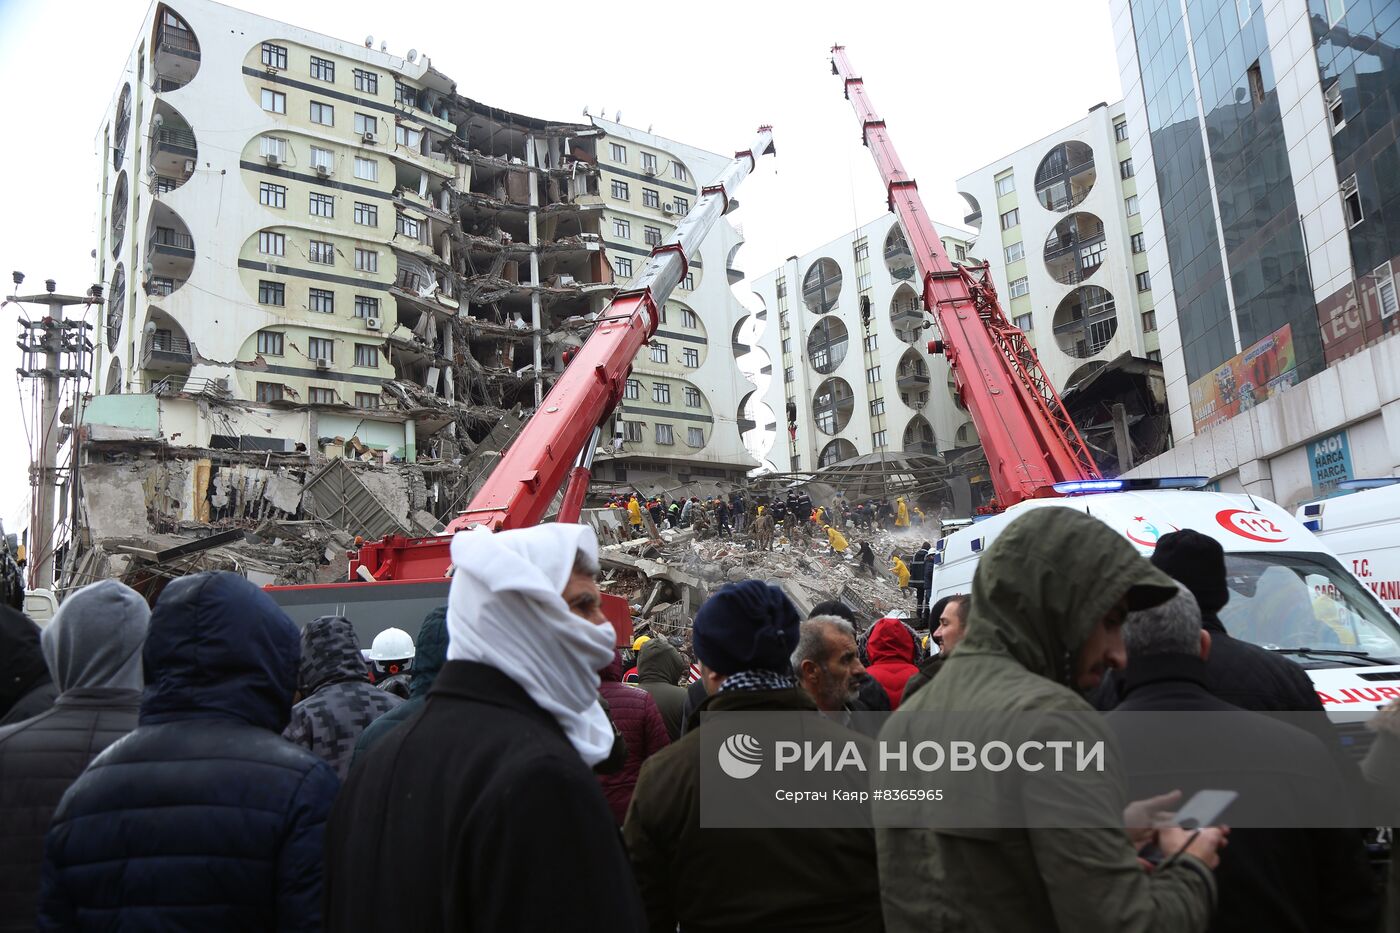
(397,580)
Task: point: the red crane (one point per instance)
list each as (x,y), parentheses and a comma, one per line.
(557,443)
(1030,441)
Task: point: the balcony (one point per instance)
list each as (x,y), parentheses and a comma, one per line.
(175,51)
(164,347)
(173,150)
(170,242)
(160,184)
(176,139)
(169,248)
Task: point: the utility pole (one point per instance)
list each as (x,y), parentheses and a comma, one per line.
(55,350)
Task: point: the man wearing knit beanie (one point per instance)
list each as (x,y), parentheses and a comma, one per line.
(759,879)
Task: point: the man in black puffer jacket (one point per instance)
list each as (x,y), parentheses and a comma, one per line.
(26,689)
(93,651)
(204,818)
(338,699)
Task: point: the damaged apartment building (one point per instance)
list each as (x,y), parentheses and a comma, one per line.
(323,262)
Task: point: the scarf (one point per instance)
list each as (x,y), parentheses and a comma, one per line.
(757,680)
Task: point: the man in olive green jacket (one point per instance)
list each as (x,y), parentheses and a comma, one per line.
(1048,602)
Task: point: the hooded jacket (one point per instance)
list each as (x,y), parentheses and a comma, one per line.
(892,654)
(1037,595)
(432,654)
(26,689)
(638,720)
(339,701)
(93,649)
(659,670)
(204,817)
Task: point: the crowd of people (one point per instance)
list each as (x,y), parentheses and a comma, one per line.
(202,764)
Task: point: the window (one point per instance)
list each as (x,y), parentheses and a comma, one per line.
(1130,204)
(274,56)
(688,283)
(1144,281)
(1125,169)
(787,345)
(274,101)
(366,260)
(959,251)
(405,95)
(366,399)
(272,195)
(863,281)
(622,229)
(1139,242)
(275,146)
(367,81)
(862,251)
(367,355)
(632,389)
(272,293)
(661,392)
(662,319)
(272,244)
(322,158)
(1351,201)
(624,266)
(406,137)
(366,306)
(872,375)
(1336,112)
(682,206)
(632,431)
(1120,130)
(695,437)
(665,435)
(321,300)
(322,69)
(872,343)
(1255,77)
(270,391)
(1015,251)
(619,191)
(322,396)
(788,374)
(1019,287)
(322,205)
(689,318)
(368,169)
(651,198)
(1385,291)
(322,252)
(365,123)
(877,440)
(619,153)
(408,226)
(651,235)
(692,397)
(659,353)
(270,342)
(1010,219)
(649,163)
(320,348)
(877,407)
(1024,323)
(1006,185)
(679,173)
(690,357)
(1336,9)
(1149,321)
(366,215)
(1154,355)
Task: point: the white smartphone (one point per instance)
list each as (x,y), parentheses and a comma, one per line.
(1204,808)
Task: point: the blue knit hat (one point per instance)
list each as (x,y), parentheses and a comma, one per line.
(746,626)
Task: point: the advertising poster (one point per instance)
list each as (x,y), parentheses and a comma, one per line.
(1329,459)
(1246,379)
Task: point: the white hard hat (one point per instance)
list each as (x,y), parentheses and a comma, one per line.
(392,644)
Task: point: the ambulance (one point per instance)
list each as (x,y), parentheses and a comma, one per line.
(1289,592)
(1363,529)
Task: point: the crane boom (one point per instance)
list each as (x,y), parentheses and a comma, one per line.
(1030,441)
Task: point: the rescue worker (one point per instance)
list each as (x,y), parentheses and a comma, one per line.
(673,514)
(634,515)
(722,518)
(763,530)
(686,510)
(867,559)
(390,658)
(900,571)
(901,514)
(836,539)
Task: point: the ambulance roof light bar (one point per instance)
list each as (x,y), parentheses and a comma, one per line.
(1123,484)
(1378,482)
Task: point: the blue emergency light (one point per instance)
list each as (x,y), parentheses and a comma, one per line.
(1125,484)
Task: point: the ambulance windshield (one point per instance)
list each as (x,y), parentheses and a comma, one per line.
(1290,601)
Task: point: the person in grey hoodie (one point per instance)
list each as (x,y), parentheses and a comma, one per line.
(659,670)
(338,701)
(93,652)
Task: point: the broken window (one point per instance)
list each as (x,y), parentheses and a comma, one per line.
(661,392)
(692,397)
(367,81)
(272,244)
(665,435)
(1351,201)
(366,306)
(366,260)
(695,437)
(368,169)
(622,229)
(321,300)
(1336,111)
(274,56)
(619,191)
(270,195)
(651,198)
(689,318)
(1255,76)
(659,352)
(366,399)
(320,348)
(270,342)
(624,267)
(690,357)
(367,355)
(365,123)
(619,153)
(270,391)
(652,236)
(649,163)
(322,205)
(274,101)
(366,215)
(322,396)
(272,293)
(632,389)
(322,69)
(322,252)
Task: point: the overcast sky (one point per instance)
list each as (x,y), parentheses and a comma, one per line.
(959,84)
